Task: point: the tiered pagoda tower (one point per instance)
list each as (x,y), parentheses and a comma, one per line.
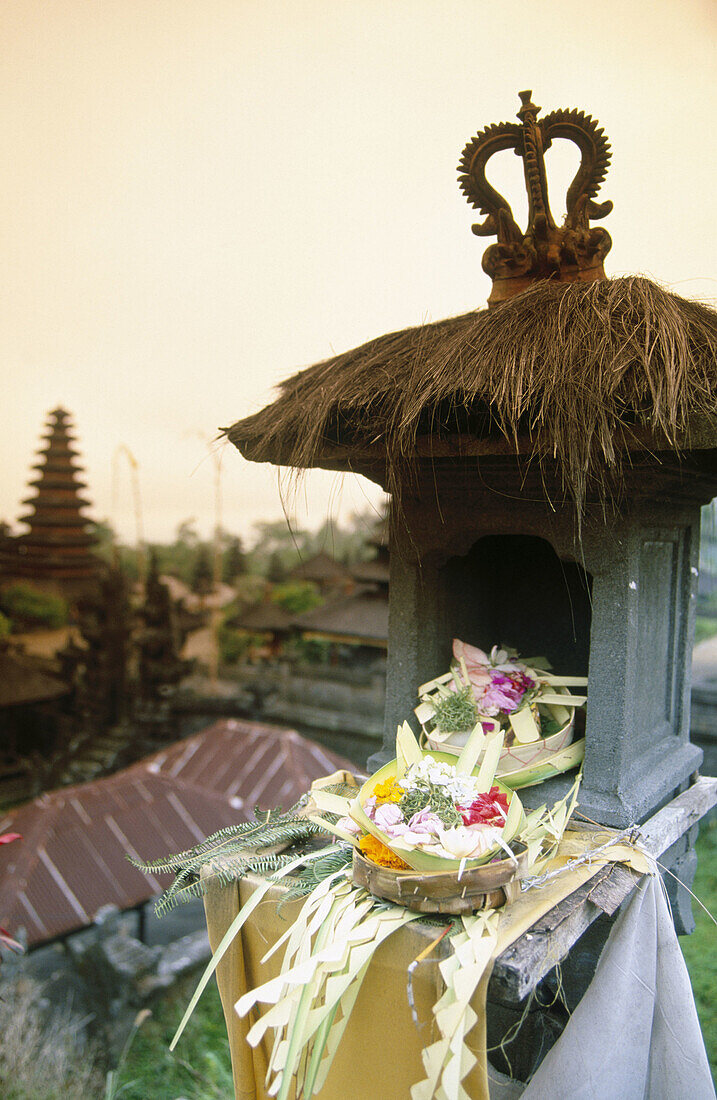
(57,548)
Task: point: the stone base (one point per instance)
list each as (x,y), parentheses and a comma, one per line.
(652,784)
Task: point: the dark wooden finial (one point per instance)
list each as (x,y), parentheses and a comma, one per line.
(569,253)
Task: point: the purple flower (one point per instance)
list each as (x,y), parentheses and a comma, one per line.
(505,692)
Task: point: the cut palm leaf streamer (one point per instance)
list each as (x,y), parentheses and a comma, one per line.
(235,928)
(329,947)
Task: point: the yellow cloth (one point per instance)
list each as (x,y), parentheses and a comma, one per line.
(380,1053)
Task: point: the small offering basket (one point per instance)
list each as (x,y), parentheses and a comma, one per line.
(489,886)
(432,832)
(534,708)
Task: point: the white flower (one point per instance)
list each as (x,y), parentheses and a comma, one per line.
(469,841)
(461,788)
(431,771)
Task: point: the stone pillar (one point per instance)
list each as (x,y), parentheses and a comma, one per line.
(638,751)
(415,652)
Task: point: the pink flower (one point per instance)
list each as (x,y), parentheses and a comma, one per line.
(425,821)
(472,656)
(349,825)
(387,816)
(476,663)
(501,695)
(369,807)
(499,682)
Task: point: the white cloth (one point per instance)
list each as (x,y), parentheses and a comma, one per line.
(635,1034)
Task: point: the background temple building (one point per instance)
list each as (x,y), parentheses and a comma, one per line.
(56,551)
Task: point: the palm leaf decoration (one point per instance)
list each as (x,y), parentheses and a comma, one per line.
(250,846)
(309,877)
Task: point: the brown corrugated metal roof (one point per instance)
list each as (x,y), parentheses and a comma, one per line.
(72,858)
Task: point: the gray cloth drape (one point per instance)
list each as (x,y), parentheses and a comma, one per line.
(635,1034)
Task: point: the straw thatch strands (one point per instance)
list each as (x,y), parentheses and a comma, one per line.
(574,374)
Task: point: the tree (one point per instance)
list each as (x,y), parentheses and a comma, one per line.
(179,558)
(297,596)
(202,572)
(186,533)
(276,570)
(234,563)
(111,550)
(27,608)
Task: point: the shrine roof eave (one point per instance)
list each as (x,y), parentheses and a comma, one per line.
(371,459)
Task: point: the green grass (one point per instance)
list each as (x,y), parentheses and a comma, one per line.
(700,949)
(705,627)
(200,1068)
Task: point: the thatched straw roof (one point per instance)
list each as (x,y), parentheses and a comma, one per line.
(360,619)
(571,373)
(263,618)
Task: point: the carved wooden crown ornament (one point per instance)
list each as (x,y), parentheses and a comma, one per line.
(569,253)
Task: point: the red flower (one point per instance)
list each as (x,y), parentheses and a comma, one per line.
(487,809)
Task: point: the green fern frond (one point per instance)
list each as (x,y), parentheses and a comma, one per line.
(230,871)
(282,828)
(168,901)
(172,862)
(276,828)
(230,853)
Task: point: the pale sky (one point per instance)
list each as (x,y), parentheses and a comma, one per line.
(200,197)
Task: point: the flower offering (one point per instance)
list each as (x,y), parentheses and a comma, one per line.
(432,811)
(438,810)
(497,692)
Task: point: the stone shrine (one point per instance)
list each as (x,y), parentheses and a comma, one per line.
(546,460)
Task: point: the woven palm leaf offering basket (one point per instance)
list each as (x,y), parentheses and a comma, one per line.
(435,832)
(533,707)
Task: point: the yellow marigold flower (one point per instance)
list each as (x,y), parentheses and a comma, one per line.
(388,791)
(378,853)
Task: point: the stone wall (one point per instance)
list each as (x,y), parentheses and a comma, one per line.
(104,975)
(341,708)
